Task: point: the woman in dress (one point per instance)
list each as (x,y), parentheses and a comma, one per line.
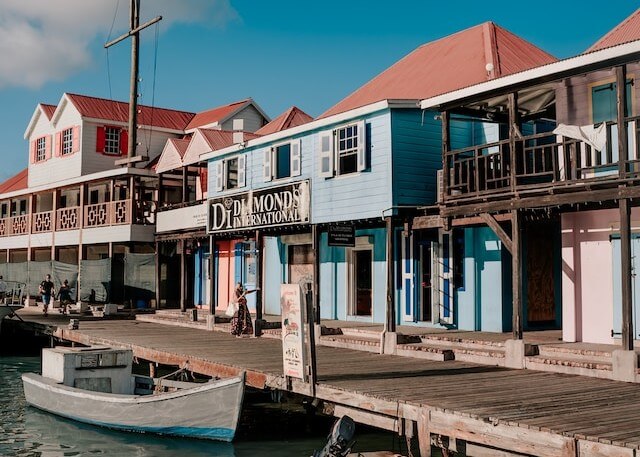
(241,324)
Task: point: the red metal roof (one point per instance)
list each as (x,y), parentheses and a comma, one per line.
(292,117)
(111,110)
(219,139)
(48,110)
(16,182)
(447,64)
(181,144)
(627,30)
(215,115)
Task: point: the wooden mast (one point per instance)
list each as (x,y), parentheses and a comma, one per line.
(134,31)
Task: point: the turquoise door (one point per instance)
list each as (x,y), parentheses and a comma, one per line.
(617,286)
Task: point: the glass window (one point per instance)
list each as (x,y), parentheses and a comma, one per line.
(347,149)
(232,174)
(41,149)
(67,141)
(112,140)
(283,161)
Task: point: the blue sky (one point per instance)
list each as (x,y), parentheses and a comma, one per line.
(283,53)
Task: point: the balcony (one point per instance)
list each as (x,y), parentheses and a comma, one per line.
(105,214)
(543,164)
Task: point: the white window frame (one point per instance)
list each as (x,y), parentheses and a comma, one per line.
(331,149)
(222,173)
(270,161)
(112,140)
(66,137)
(41,149)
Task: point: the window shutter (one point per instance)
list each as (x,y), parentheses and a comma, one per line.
(204,173)
(58,145)
(124,142)
(296,167)
(75,146)
(47,147)
(325,152)
(362,146)
(219,175)
(100,134)
(242,181)
(33,152)
(266,165)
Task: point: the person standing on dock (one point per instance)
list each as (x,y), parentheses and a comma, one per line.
(241,324)
(64,295)
(3,289)
(47,290)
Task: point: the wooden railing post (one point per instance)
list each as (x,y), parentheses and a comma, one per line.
(513,123)
(446,116)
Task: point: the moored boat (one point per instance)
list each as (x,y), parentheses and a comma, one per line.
(89,385)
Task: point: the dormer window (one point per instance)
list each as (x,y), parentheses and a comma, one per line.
(41,149)
(112,140)
(67,141)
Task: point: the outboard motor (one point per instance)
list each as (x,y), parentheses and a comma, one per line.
(340,440)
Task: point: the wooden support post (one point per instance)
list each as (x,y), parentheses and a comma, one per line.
(446,117)
(516,266)
(158,270)
(152,369)
(185,186)
(424,434)
(513,128)
(212,275)
(259,266)
(498,230)
(315,234)
(390,323)
(183,274)
(621,102)
(81,205)
(54,222)
(310,345)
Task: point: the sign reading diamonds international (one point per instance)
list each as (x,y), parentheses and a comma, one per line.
(273,206)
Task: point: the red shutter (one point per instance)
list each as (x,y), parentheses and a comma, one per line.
(33,152)
(76,139)
(124,142)
(47,147)
(58,146)
(100,140)
(204,174)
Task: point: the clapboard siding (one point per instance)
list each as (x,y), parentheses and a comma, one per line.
(360,195)
(253,120)
(149,144)
(417,155)
(55,168)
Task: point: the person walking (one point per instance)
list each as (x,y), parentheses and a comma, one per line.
(241,324)
(64,295)
(3,290)
(47,290)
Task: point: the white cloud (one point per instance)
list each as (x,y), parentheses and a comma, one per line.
(44,40)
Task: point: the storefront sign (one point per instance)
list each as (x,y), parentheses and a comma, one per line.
(189,217)
(282,205)
(342,235)
(293,354)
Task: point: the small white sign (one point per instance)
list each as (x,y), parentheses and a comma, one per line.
(292,312)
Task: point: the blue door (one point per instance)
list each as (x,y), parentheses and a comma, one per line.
(617,286)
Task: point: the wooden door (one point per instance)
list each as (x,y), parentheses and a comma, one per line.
(540,280)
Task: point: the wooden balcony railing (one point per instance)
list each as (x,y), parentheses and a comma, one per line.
(68,218)
(19,225)
(540,161)
(41,222)
(108,213)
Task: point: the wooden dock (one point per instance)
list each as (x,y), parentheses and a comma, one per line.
(480,410)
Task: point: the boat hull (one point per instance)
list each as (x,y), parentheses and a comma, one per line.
(208,411)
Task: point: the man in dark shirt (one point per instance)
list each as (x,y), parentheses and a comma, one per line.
(47,290)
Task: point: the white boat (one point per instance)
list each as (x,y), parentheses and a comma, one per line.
(88,385)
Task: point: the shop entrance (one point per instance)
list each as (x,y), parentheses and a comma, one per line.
(360,284)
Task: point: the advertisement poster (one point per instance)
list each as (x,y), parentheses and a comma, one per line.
(293,355)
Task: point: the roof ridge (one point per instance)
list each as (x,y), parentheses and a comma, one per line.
(126,103)
(612,31)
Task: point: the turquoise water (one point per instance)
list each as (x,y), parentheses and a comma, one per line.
(26,431)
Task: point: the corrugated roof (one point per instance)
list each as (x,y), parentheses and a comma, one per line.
(219,139)
(16,182)
(627,30)
(216,114)
(292,117)
(100,108)
(48,110)
(447,64)
(180,144)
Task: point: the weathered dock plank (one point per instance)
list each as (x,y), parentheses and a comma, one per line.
(539,413)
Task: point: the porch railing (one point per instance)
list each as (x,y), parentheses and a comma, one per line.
(68,218)
(540,161)
(41,222)
(19,225)
(108,213)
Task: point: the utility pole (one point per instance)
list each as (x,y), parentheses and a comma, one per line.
(134,31)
